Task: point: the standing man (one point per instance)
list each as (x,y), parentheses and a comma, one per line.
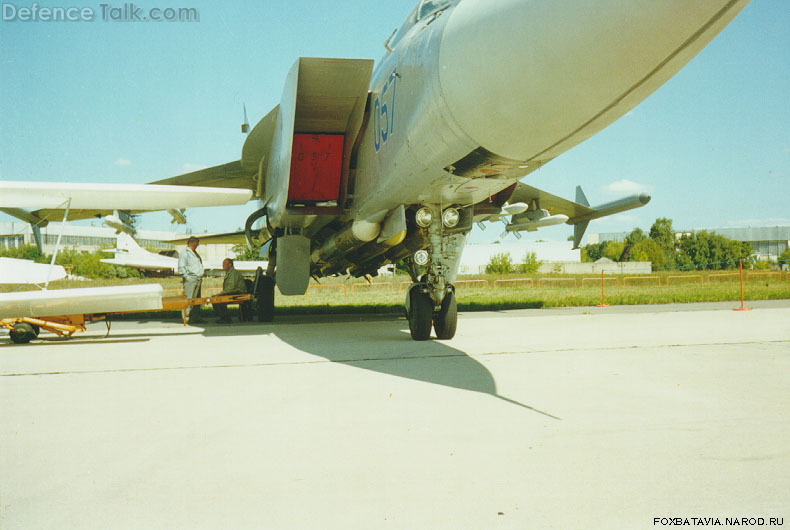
(232,284)
(190,267)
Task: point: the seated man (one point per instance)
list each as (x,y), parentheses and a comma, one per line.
(233,284)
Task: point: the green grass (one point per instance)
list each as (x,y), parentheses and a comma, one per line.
(480,299)
(513,295)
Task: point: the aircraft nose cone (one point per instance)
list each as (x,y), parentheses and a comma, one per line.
(528,79)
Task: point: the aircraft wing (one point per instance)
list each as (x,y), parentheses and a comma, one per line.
(247,173)
(554,204)
(86,200)
(229,238)
(546,209)
(230,175)
(226,184)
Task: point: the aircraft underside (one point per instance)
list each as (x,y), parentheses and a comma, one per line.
(356,168)
(395,165)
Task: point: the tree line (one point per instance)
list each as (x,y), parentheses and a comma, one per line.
(700,250)
(502,263)
(86,264)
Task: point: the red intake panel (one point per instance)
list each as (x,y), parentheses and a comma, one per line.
(316,165)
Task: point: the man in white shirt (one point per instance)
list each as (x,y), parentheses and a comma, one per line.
(190,267)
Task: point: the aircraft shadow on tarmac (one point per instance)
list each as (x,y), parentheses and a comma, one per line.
(381,344)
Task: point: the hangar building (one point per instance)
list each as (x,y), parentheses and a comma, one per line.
(93,238)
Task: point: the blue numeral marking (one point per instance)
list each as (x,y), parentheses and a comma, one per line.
(384,111)
(386,129)
(392,80)
(377,132)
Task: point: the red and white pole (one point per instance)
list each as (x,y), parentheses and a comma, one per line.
(603,303)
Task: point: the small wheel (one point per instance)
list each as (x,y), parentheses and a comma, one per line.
(420,314)
(265,299)
(22,333)
(445,321)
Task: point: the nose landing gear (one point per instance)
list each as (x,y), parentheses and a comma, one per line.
(430,301)
(423,314)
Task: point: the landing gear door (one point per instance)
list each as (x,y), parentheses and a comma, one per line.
(293,264)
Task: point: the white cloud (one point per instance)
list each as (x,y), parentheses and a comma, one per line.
(616,222)
(192,167)
(623,186)
(625,218)
(123,162)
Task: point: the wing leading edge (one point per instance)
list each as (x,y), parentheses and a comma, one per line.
(85,200)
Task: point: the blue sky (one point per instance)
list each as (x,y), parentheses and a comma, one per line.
(140,101)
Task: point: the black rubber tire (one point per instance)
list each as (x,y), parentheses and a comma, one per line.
(420,315)
(22,333)
(246,308)
(445,321)
(265,299)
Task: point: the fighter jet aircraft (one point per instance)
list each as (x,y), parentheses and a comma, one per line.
(128,253)
(359,167)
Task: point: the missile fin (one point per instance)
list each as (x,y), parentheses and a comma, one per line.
(578,231)
(581,198)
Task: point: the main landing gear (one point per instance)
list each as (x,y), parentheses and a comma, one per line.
(263,293)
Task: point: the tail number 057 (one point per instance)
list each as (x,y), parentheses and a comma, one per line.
(384,112)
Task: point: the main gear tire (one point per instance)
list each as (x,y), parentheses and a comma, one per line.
(265,298)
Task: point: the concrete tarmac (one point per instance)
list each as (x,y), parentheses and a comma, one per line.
(578,418)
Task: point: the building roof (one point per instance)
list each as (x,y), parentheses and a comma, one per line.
(756,233)
(759,233)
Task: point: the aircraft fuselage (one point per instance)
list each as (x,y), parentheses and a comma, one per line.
(479,94)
